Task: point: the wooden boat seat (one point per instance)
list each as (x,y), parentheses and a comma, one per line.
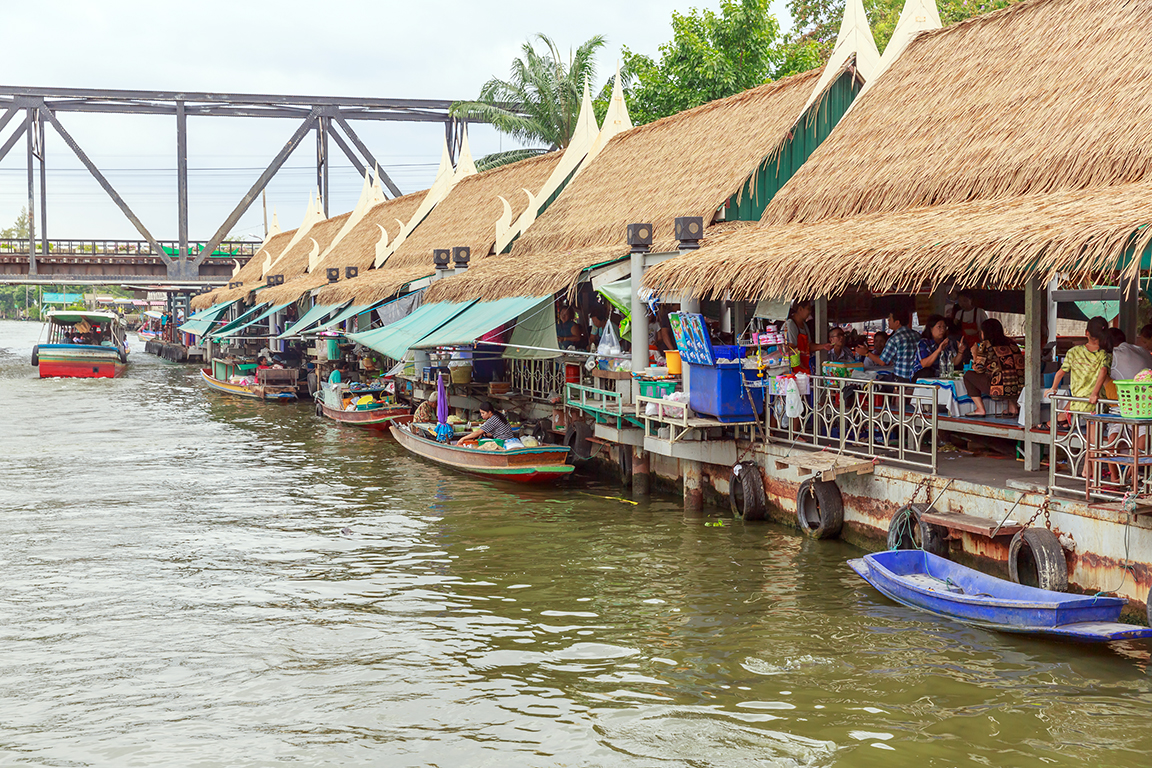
(278,377)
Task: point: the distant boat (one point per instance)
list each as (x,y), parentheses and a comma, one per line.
(930,583)
(244,380)
(542,464)
(81,344)
(331,402)
(150,328)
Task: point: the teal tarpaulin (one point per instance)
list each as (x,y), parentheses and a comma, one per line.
(479,319)
(63,298)
(315,315)
(396,339)
(241,320)
(348,314)
(199,323)
(268,313)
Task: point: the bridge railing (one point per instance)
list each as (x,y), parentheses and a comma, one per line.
(126,248)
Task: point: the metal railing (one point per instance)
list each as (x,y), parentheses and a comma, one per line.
(538,378)
(872,419)
(125,248)
(1069,435)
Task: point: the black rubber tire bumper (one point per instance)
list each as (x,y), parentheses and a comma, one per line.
(820,508)
(746,493)
(907,530)
(1038,548)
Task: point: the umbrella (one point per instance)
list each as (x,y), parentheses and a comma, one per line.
(441,400)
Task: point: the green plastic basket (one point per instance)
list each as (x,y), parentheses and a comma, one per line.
(1135,399)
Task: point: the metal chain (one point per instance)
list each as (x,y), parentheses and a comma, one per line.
(1043,508)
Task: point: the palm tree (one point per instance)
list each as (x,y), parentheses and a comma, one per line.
(539,102)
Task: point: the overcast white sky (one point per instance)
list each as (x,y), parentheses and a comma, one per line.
(439,49)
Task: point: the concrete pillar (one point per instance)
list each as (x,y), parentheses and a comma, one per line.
(641,471)
(688,303)
(693,473)
(1035,303)
(820,312)
(639,322)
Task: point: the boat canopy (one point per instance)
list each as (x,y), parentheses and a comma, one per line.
(483,317)
(267,313)
(155,314)
(68,317)
(312,317)
(199,323)
(396,339)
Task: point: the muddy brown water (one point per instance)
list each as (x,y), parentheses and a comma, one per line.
(191,579)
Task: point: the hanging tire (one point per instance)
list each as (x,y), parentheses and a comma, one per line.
(907,530)
(820,508)
(746,492)
(36,356)
(543,431)
(312,387)
(576,438)
(1037,550)
(319,409)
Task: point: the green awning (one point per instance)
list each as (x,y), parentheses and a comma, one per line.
(312,317)
(396,339)
(239,321)
(199,323)
(347,314)
(479,319)
(268,313)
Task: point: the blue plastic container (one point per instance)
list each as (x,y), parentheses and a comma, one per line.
(727,352)
(718,391)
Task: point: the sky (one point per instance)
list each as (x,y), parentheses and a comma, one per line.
(436,49)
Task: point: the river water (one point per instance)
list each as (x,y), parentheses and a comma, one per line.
(191,579)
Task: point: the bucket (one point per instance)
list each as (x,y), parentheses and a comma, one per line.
(461,374)
(572,373)
(333,350)
(672,358)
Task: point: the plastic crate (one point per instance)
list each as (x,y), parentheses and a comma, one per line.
(657,388)
(718,391)
(1135,399)
(727,352)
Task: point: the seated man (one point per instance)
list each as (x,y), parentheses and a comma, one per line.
(902,348)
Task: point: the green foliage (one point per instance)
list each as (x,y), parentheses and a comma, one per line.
(713,55)
(19,228)
(817,21)
(540,100)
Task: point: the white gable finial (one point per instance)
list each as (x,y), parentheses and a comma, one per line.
(377,190)
(504,223)
(275,228)
(382,243)
(917,16)
(616,121)
(464,164)
(853,39)
(313,255)
(236,269)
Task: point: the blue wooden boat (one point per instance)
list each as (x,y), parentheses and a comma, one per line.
(929,583)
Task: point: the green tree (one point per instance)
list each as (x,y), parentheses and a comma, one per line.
(713,55)
(19,228)
(539,103)
(817,21)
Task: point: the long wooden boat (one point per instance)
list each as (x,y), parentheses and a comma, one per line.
(82,345)
(938,586)
(225,370)
(544,464)
(150,328)
(331,400)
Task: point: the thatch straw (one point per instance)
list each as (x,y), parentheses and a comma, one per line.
(356,249)
(996,243)
(687,164)
(467,216)
(1043,96)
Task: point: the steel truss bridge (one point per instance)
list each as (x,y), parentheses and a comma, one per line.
(32,110)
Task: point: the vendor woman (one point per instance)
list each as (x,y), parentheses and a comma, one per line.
(494,426)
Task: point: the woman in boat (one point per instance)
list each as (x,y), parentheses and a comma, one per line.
(494,426)
(426,411)
(997,369)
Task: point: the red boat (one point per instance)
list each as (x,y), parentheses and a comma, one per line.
(86,345)
(338,402)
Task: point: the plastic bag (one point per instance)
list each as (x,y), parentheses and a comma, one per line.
(609,342)
(793,402)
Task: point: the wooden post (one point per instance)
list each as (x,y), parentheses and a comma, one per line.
(688,303)
(1035,303)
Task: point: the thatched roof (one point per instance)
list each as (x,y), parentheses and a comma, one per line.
(250,273)
(981,243)
(986,151)
(687,164)
(355,249)
(467,216)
